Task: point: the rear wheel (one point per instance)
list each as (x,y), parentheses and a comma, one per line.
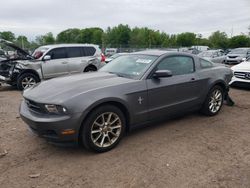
(214,101)
(90,69)
(103,129)
(26,80)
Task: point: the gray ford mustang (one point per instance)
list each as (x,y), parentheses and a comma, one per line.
(95,109)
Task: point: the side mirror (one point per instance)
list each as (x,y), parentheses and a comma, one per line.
(162,74)
(47,57)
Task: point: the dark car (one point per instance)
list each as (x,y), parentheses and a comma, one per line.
(95,109)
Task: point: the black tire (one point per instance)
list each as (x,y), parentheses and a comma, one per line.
(21,79)
(212,107)
(90,69)
(89,126)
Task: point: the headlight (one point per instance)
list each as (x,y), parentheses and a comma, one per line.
(55,109)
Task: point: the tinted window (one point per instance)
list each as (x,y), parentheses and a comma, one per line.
(74,52)
(89,51)
(178,65)
(205,64)
(57,53)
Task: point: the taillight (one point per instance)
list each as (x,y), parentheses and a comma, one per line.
(103,58)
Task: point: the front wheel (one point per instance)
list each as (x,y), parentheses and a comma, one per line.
(214,101)
(103,129)
(26,80)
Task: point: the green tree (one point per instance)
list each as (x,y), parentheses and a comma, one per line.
(239,41)
(22,41)
(186,39)
(48,38)
(118,36)
(7,35)
(219,40)
(69,36)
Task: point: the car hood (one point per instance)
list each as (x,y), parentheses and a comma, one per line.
(245,66)
(20,50)
(58,90)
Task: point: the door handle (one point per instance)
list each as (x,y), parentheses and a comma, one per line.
(65,62)
(192,79)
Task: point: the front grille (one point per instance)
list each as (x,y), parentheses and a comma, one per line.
(232,56)
(34,106)
(242,75)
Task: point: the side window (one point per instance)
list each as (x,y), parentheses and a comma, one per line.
(205,64)
(89,51)
(74,52)
(57,53)
(178,65)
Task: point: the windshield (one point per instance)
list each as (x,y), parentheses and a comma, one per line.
(238,51)
(130,66)
(39,52)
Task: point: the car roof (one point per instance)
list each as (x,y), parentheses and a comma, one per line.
(68,45)
(160,53)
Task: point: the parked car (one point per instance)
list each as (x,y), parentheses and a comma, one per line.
(110,51)
(201,48)
(189,50)
(107,60)
(241,74)
(47,62)
(216,56)
(237,55)
(95,109)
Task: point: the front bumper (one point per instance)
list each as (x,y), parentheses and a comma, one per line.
(51,127)
(239,82)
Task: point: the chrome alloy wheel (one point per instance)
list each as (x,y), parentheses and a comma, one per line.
(28,82)
(216,100)
(106,129)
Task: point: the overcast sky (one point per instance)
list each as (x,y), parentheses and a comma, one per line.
(33,17)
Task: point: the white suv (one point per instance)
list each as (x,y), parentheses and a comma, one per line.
(48,62)
(241,74)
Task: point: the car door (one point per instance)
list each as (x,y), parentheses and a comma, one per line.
(57,65)
(76,62)
(174,94)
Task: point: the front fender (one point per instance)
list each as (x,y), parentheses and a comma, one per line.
(110,100)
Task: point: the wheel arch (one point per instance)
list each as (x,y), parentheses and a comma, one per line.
(90,65)
(29,71)
(117,103)
(220,83)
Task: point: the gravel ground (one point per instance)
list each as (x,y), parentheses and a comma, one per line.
(191,151)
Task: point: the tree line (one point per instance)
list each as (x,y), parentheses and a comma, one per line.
(124,36)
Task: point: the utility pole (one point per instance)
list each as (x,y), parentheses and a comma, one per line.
(22,43)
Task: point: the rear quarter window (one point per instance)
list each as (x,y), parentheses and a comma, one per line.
(205,64)
(89,51)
